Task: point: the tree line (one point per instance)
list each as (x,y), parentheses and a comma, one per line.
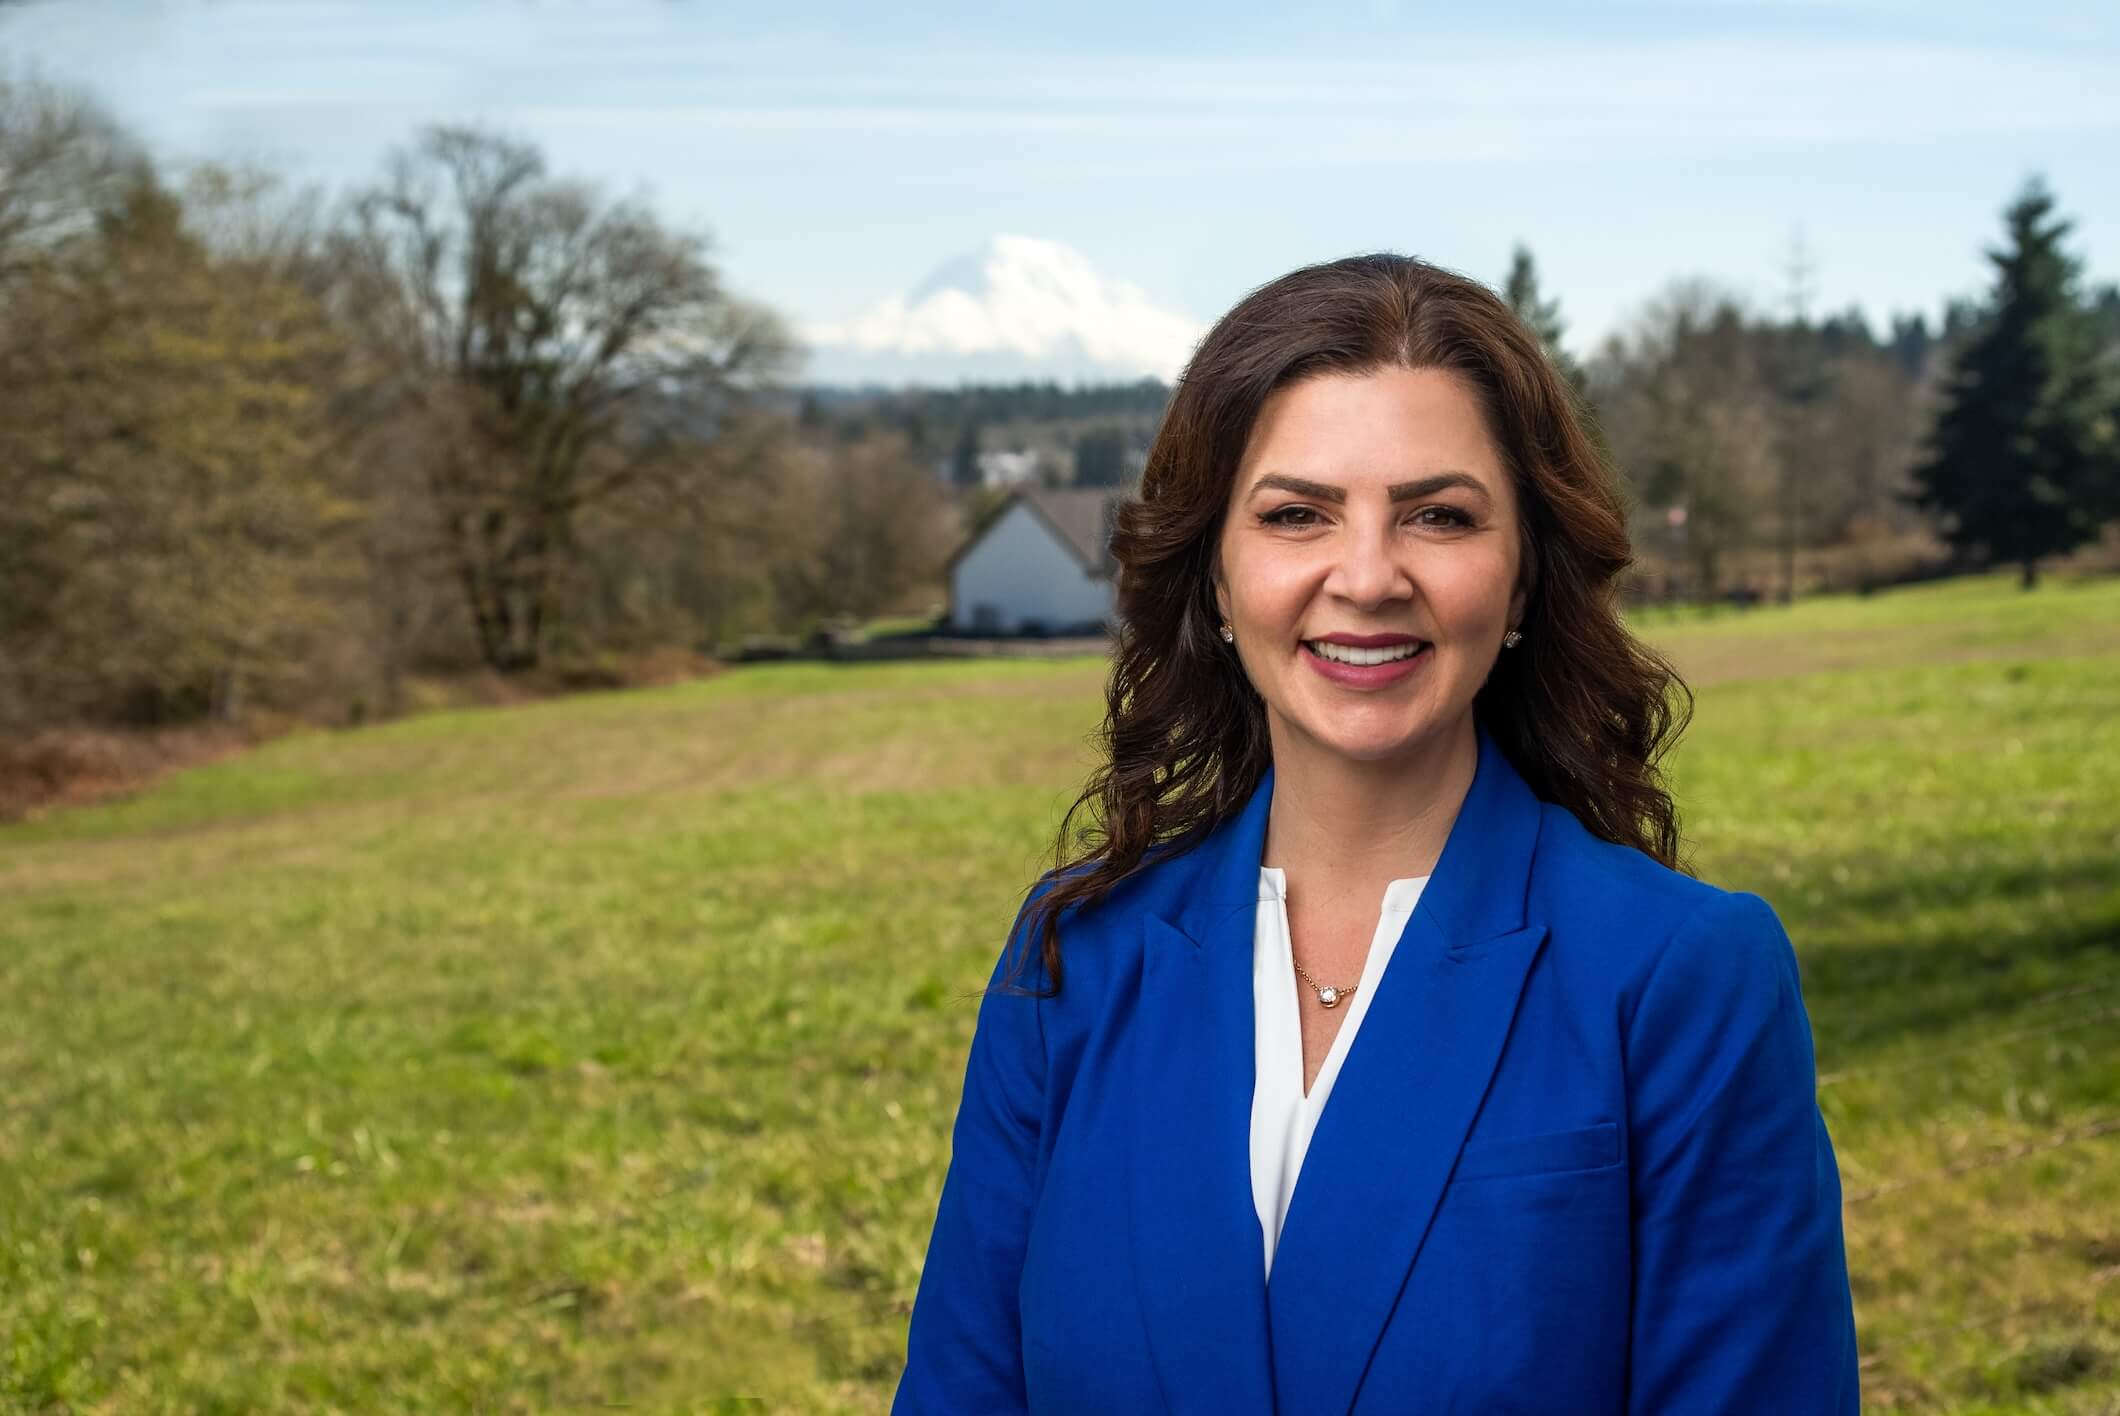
(268,447)
(1996,434)
(264,446)
(1748,438)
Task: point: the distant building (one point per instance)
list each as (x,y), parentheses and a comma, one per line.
(1008,467)
(1041,563)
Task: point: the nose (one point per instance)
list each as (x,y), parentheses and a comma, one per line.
(1367,572)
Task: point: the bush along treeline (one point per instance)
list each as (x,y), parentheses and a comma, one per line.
(265,449)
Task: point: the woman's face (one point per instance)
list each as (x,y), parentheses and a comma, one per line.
(1370,516)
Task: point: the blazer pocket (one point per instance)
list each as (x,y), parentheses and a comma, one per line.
(1583,1148)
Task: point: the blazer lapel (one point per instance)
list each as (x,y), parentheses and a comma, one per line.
(1407,1092)
(1199,1255)
(1225,1341)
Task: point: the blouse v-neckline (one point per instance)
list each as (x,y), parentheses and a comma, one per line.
(1400,897)
(1283,1114)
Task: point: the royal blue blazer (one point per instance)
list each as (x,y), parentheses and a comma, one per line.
(1574,1161)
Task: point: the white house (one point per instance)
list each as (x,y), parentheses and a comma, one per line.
(1041,562)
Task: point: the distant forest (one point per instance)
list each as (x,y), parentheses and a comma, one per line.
(268,451)
(1766,452)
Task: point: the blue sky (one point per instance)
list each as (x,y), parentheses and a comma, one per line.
(837,153)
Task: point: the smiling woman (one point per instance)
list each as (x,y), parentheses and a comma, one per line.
(1353,579)
(1380,824)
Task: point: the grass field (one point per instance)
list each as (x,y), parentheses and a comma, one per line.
(604,1051)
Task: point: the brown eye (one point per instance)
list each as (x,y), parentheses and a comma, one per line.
(1453,517)
(1282,517)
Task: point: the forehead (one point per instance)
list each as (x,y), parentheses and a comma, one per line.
(1372,430)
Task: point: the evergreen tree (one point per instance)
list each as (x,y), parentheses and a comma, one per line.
(2105,313)
(1960,318)
(1543,316)
(916,433)
(2021,461)
(1847,332)
(964,462)
(1910,343)
(1100,458)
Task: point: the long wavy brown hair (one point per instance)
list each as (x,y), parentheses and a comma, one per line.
(1581,708)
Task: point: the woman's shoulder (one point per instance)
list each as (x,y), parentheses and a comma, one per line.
(1621,912)
(1573,864)
(1100,937)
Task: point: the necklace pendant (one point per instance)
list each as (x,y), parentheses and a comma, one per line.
(1330,997)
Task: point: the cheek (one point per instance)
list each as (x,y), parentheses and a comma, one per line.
(1470,591)
(1270,594)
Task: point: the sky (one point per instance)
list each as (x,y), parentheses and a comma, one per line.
(836,154)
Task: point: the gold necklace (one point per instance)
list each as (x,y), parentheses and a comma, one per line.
(1330,997)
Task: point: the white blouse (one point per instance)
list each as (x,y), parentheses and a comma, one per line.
(1282,1117)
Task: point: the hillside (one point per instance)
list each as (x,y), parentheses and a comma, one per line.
(605,1050)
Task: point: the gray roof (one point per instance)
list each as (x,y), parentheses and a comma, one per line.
(1080,518)
(1083,518)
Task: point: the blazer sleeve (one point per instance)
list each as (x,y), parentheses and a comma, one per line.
(1740,1300)
(964,1349)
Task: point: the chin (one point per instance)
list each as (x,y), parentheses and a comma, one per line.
(1373,752)
(1374,736)
(1368,746)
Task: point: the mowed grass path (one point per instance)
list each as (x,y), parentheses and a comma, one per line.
(605,1051)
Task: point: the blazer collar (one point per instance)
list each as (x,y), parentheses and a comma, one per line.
(1480,880)
(1384,1145)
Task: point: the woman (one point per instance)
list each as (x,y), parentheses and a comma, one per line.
(1572,1161)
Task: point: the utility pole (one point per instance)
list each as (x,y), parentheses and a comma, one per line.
(1801,271)
(1803,387)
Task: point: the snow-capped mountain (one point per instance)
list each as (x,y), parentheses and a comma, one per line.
(1019,308)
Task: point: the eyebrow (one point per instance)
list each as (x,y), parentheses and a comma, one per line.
(1399,491)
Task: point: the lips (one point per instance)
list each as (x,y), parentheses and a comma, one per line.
(1368,670)
(1347,649)
(1366,641)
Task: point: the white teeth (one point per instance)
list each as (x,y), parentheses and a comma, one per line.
(1348,654)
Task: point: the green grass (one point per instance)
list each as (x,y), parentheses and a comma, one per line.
(605,1051)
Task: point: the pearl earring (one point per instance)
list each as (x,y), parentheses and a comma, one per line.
(1229,636)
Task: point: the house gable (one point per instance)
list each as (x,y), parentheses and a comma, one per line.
(1022,570)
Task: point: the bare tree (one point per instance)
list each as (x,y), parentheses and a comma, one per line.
(1691,420)
(855,527)
(793,525)
(64,164)
(553,350)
